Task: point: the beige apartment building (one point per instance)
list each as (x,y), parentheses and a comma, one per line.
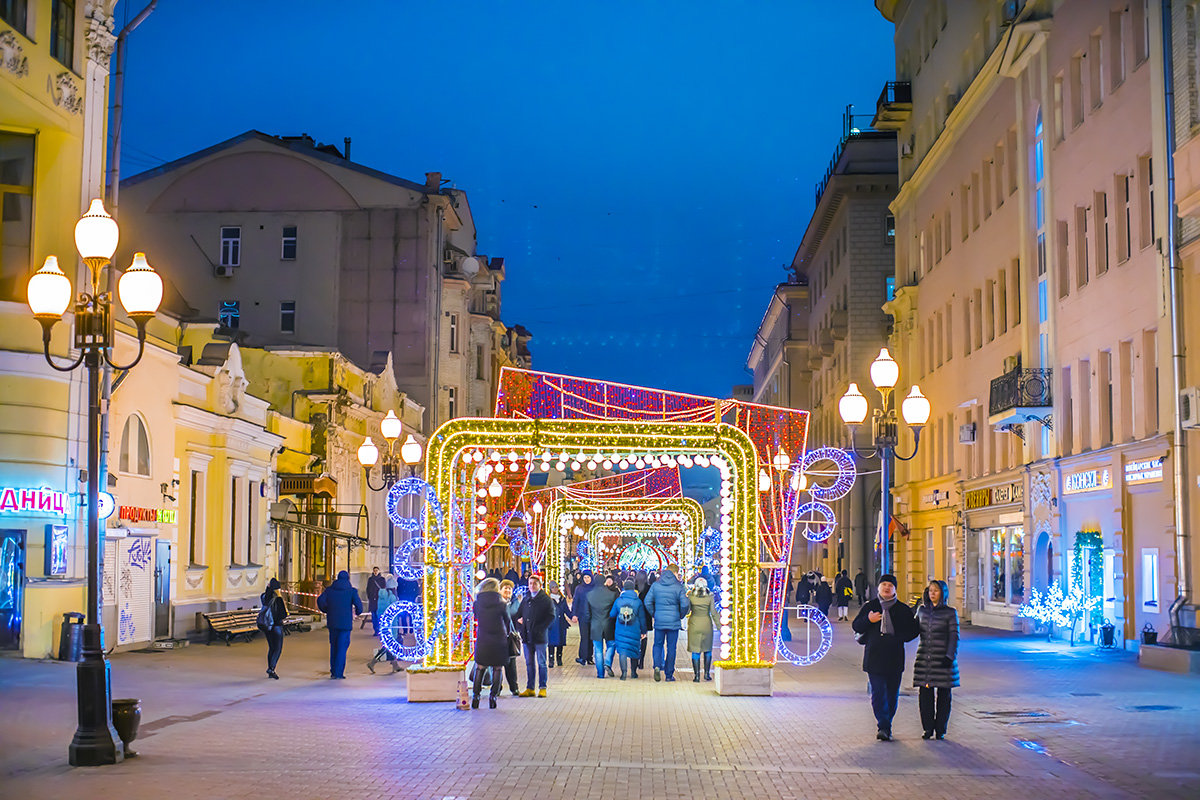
(1030,273)
(823,328)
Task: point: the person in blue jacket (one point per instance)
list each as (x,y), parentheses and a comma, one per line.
(667,603)
(630,626)
(557,635)
(340,603)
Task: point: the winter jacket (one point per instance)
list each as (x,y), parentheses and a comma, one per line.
(278,606)
(824,596)
(375,584)
(860,584)
(579,602)
(598,603)
(340,603)
(534,617)
(628,634)
(645,590)
(701,621)
(667,602)
(491,630)
(884,655)
(803,592)
(936,663)
(556,636)
(386,598)
(843,590)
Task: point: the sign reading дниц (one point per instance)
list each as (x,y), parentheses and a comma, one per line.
(24,501)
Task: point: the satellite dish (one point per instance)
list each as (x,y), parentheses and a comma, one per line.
(470,265)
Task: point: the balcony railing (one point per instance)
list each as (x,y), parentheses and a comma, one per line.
(894,106)
(1021,393)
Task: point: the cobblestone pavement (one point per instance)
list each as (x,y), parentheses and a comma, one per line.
(214,726)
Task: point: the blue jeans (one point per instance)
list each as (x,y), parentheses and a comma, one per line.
(339,643)
(671,637)
(885,695)
(603,656)
(375,622)
(533,651)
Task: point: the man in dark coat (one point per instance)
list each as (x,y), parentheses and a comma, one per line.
(843,590)
(595,621)
(884,625)
(340,603)
(578,612)
(860,586)
(534,618)
(375,583)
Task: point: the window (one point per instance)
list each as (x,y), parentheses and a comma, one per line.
(16,213)
(1150,381)
(1105,379)
(890,289)
(62,32)
(1062,263)
(1146,200)
(287,316)
(1116,48)
(1096,68)
(1081,247)
(989,311)
(1076,90)
(1140,10)
(1002,302)
(1016,566)
(889,229)
(287,244)
(1065,428)
(1150,580)
(233,520)
(135,448)
(251,521)
(453,334)
(229,315)
(480,363)
(1100,207)
(195,509)
(999,561)
(1126,388)
(930,557)
(1059,130)
(949,345)
(15,13)
(451,403)
(231,247)
(1124,218)
(1085,405)
(951,554)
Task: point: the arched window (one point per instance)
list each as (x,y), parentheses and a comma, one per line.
(135,447)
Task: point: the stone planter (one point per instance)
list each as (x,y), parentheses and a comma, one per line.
(127,716)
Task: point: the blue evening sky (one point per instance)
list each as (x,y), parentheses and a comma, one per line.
(645,167)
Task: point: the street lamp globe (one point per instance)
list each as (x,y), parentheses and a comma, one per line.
(96,233)
(495,489)
(915,408)
(391,427)
(537,506)
(410,451)
(49,291)
(368,453)
(781,460)
(140,288)
(885,372)
(853,406)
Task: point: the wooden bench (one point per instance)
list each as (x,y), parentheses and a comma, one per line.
(230,625)
(296,624)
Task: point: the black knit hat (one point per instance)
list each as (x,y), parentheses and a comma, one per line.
(888,578)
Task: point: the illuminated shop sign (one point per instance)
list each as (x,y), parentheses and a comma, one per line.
(1091,480)
(995,495)
(135,514)
(56,549)
(1143,471)
(35,501)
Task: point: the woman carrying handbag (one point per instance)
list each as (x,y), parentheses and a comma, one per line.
(493,643)
(271,617)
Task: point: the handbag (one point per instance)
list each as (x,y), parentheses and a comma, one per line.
(266,618)
(514,643)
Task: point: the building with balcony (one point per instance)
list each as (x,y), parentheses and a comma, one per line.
(822,328)
(1028,218)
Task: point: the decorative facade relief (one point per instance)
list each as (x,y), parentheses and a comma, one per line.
(65,92)
(99,33)
(12,56)
(1040,500)
(231,382)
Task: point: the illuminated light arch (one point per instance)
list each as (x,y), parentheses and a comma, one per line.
(402,560)
(652,533)
(816,530)
(410,486)
(813,616)
(636,555)
(449,578)
(843,481)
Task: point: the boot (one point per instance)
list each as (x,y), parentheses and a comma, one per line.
(695,667)
(708,666)
(475,701)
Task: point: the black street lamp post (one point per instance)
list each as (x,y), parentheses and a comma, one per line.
(49,295)
(885,428)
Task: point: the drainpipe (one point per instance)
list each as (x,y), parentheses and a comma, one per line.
(118,106)
(1182,538)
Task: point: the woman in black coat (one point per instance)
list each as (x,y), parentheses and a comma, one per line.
(274,633)
(935,669)
(824,597)
(492,627)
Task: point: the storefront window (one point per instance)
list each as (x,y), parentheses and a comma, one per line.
(1016,566)
(999,583)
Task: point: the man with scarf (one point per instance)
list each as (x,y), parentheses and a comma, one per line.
(883,625)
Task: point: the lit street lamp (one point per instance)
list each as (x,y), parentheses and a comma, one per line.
(853,408)
(410,454)
(140,291)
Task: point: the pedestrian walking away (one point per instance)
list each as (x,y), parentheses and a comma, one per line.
(375,584)
(935,669)
(860,586)
(387,596)
(579,612)
(556,637)
(824,596)
(629,618)
(701,622)
(884,625)
(667,603)
(271,618)
(843,589)
(534,618)
(340,604)
(596,620)
(492,627)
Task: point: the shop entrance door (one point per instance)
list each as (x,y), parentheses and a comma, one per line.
(12,582)
(162,589)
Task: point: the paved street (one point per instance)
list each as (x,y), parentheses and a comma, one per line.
(214,726)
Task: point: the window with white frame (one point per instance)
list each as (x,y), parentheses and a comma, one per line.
(951,554)
(930,556)
(231,246)
(287,316)
(1149,590)
(135,448)
(453,339)
(451,403)
(287,244)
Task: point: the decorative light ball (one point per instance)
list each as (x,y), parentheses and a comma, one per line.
(368,453)
(640,463)
(49,290)
(702,460)
(560,466)
(915,408)
(575,465)
(608,463)
(781,460)
(481,492)
(495,489)
(545,465)
(480,542)
(481,525)
(764,481)
(481,509)
(513,467)
(624,463)
(591,464)
(480,575)
(481,558)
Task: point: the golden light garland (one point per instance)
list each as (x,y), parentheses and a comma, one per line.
(448,580)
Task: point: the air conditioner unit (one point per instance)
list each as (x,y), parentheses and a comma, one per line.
(1189,407)
(906,150)
(966,433)
(1011,363)
(225,272)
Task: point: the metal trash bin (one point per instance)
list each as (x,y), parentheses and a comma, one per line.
(70,640)
(1107,634)
(1149,635)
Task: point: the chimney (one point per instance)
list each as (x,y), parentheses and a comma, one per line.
(346,148)
(433,180)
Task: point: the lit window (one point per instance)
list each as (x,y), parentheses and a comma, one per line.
(135,448)
(1150,579)
(16,212)
(287,249)
(231,247)
(889,229)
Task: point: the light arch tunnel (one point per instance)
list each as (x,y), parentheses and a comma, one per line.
(449,568)
(687,517)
